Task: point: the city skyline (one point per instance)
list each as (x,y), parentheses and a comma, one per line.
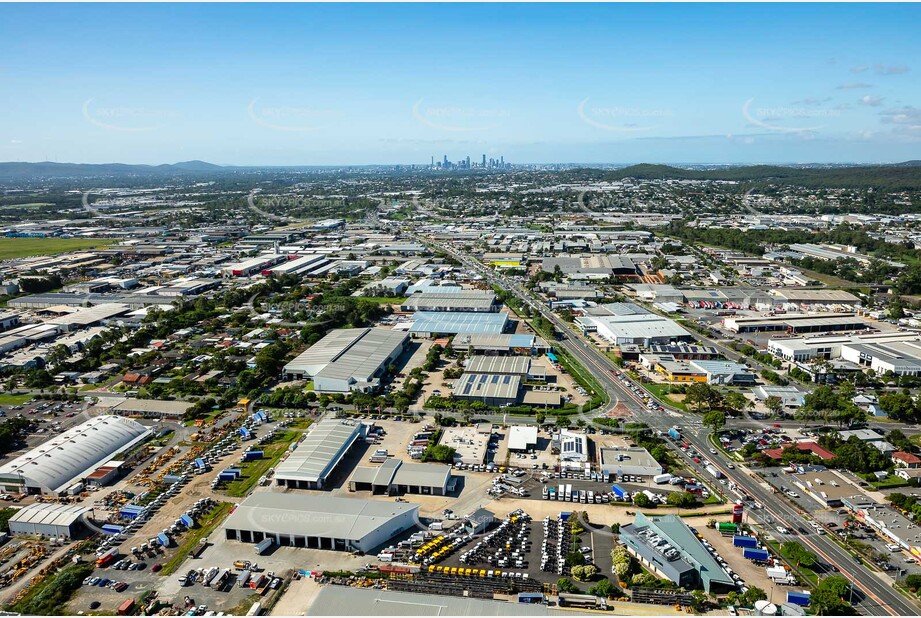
(396,84)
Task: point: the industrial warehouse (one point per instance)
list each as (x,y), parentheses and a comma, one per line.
(797,323)
(351,359)
(433,323)
(319,454)
(394,478)
(476,301)
(64,460)
(666,546)
(50,520)
(643,329)
(899,352)
(632,461)
(319,522)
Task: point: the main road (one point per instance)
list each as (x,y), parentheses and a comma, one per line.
(877,598)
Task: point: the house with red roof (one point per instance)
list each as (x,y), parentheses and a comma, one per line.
(808,447)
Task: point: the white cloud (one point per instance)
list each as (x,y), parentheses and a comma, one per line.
(861,68)
(854,86)
(870,100)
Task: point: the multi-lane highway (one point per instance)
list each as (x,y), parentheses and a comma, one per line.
(873,595)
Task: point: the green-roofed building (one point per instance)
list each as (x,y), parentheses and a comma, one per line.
(667,546)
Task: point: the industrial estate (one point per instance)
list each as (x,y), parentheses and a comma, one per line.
(617,407)
(481,309)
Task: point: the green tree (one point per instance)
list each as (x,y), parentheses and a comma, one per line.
(605,589)
(774,405)
(828,598)
(700,601)
(798,554)
(564,584)
(681,499)
(643,501)
(715,420)
(736,401)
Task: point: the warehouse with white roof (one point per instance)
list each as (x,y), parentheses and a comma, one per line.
(69,457)
(644,329)
(348,359)
(60,520)
(395,477)
(319,454)
(319,522)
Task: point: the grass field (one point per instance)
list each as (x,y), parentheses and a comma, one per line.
(252,471)
(13,400)
(661,392)
(25,247)
(206,525)
(384,300)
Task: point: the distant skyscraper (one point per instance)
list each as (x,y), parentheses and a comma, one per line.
(502,161)
(484,161)
(445,164)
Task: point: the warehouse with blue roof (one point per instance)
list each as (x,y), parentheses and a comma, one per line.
(434,323)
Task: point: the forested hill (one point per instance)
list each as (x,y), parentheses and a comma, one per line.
(46,169)
(900,176)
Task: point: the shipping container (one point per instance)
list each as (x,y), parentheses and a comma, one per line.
(714,472)
(187,520)
(243,578)
(798,598)
(744,541)
(163,540)
(252,455)
(264,546)
(619,492)
(112,529)
(758,555)
(661,479)
(126,607)
(107,557)
(727,528)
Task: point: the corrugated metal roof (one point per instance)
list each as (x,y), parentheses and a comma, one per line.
(315,515)
(487,385)
(458,322)
(50,514)
(345,601)
(75,453)
(320,450)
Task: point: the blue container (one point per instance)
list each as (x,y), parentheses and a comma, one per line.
(758,555)
(163,539)
(188,521)
(200,463)
(798,598)
(618,491)
(112,529)
(744,541)
(251,455)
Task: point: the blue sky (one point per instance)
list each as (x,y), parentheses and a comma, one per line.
(317,84)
